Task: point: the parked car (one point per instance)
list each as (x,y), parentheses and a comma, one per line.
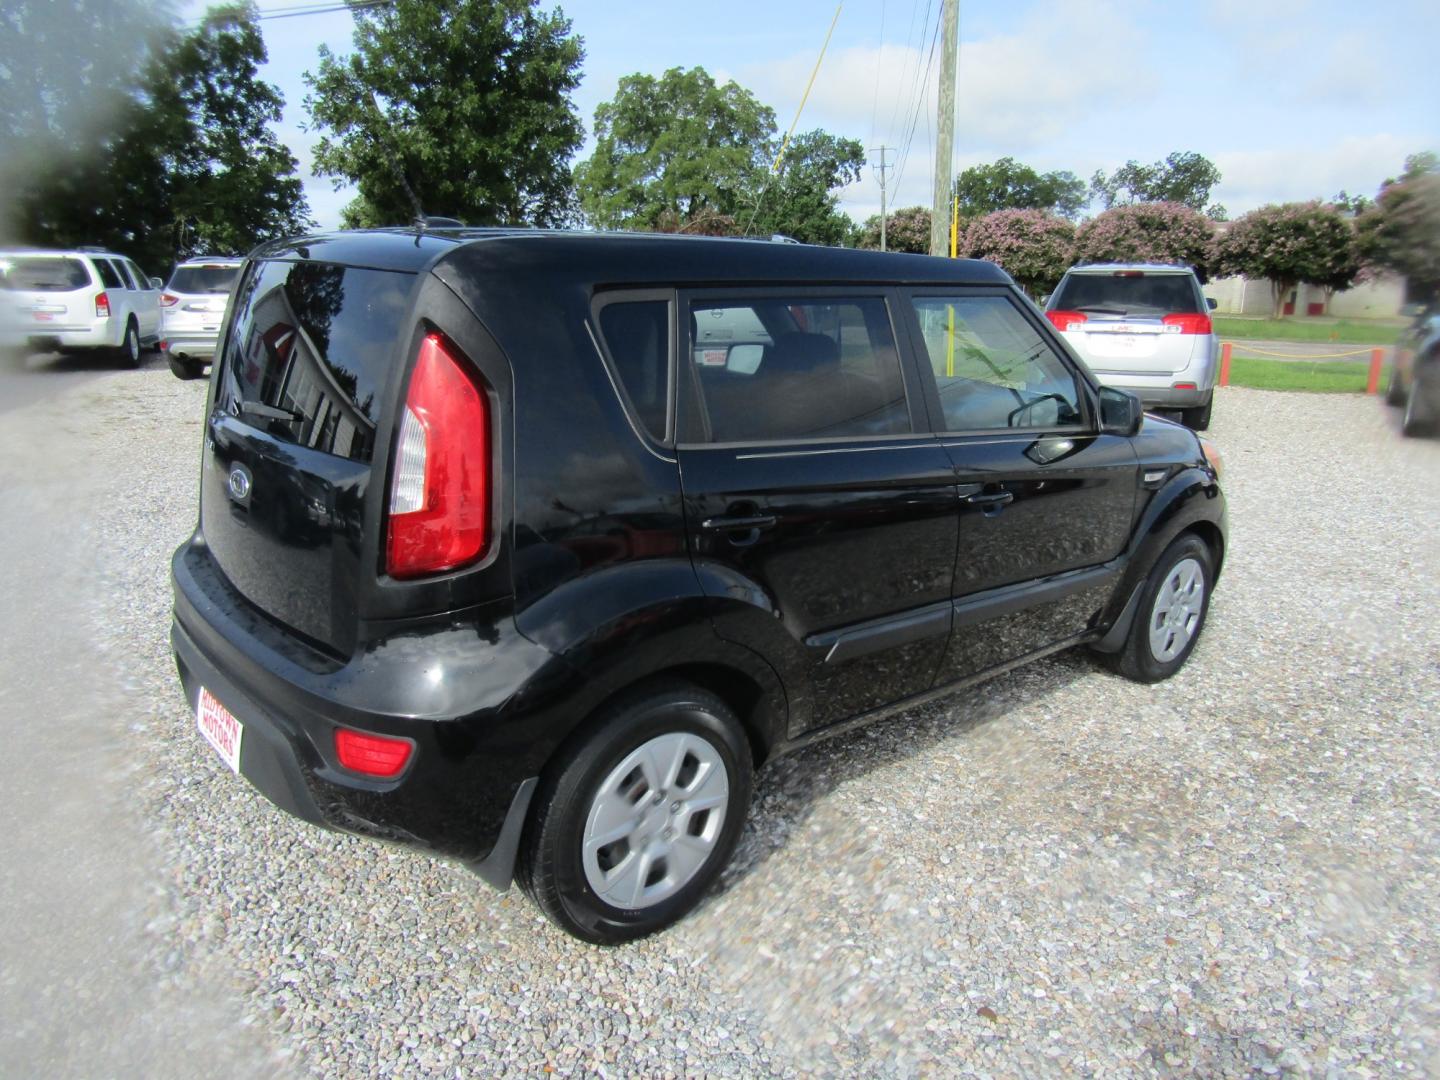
(74,301)
(496,560)
(191,309)
(1144,327)
(1415,374)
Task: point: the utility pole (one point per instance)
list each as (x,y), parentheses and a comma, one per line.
(945,128)
(880,172)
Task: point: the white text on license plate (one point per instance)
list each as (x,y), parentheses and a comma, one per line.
(221,730)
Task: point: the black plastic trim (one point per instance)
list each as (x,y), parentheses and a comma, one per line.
(498,868)
(890,632)
(982,607)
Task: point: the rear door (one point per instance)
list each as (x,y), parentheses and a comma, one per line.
(291,435)
(1045,502)
(1133,322)
(147,302)
(809,496)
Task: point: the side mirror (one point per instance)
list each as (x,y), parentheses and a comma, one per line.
(1211,303)
(156,283)
(1120,412)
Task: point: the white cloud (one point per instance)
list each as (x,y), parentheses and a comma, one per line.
(1356,163)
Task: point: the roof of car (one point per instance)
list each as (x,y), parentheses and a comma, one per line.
(618,257)
(211,260)
(1175,268)
(60,253)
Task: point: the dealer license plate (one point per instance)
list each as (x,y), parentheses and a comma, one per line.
(221,730)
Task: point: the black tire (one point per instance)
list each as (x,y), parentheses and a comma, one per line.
(184,368)
(1417,420)
(550,867)
(129,353)
(1394,392)
(1138,660)
(1198,418)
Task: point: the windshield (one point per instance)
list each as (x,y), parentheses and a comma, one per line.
(1128,292)
(203,279)
(43,274)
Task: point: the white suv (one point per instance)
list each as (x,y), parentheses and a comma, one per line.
(191,310)
(66,301)
(1142,327)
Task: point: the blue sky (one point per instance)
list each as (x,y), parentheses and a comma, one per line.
(1291,99)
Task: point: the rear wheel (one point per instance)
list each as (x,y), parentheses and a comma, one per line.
(1198,418)
(634,823)
(184,368)
(1394,392)
(129,352)
(1171,614)
(1418,419)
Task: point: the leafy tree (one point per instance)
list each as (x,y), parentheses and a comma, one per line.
(905,230)
(679,145)
(1290,243)
(800,201)
(1401,232)
(456,107)
(190,164)
(1185,178)
(1033,247)
(1008,185)
(1165,232)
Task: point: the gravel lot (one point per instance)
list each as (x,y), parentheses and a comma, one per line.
(1236,872)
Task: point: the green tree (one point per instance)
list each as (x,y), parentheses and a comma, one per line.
(801,201)
(1009,185)
(1185,178)
(1401,232)
(905,230)
(454,107)
(189,163)
(675,148)
(1290,243)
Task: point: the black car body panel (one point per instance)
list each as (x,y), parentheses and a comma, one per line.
(805,581)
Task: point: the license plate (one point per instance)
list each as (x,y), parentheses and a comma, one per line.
(220,728)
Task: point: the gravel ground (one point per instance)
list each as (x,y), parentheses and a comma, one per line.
(1236,872)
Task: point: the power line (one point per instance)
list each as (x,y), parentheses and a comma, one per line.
(879,64)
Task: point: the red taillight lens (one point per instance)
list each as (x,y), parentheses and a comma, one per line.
(1187,324)
(168,299)
(102,306)
(440,479)
(1064,320)
(373,755)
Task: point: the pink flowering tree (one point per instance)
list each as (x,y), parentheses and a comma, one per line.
(1288,243)
(1033,247)
(1401,232)
(1162,232)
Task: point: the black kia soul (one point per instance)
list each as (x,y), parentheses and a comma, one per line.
(527,549)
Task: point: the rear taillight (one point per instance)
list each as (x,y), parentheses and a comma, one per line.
(440,479)
(1187,324)
(168,299)
(1064,320)
(374,755)
(102,306)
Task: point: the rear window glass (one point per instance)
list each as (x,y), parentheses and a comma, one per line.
(203,279)
(638,337)
(1129,293)
(310,351)
(108,274)
(43,275)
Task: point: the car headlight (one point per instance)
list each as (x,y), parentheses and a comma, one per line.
(1212,455)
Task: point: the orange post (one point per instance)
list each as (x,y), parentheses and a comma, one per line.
(1377,360)
(1225,363)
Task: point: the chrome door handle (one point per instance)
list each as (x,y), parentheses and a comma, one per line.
(991,501)
(726,524)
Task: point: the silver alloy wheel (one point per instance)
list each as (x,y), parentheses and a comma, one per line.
(1176,611)
(655,820)
(132,344)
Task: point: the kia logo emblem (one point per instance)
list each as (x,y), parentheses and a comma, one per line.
(239,483)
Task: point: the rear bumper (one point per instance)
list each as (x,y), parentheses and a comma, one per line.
(1168,397)
(465,786)
(191,346)
(100,336)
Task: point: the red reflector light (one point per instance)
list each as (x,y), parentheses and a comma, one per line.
(168,299)
(1064,320)
(373,755)
(1188,324)
(102,306)
(1186,386)
(440,475)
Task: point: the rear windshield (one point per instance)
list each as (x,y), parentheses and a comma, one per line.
(43,274)
(1129,292)
(203,279)
(310,351)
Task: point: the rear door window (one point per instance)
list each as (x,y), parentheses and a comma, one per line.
(637,335)
(108,274)
(42,274)
(142,282)
(781,368)
(310,352)
(1129,292)
(124,268)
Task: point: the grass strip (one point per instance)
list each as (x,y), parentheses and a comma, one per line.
(1343,332)
(1318,376)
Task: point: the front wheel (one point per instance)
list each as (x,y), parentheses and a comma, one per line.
(1172,613)
(1394,392)
(635,822)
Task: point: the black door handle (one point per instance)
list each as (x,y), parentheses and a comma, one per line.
(991,500)
(727,524)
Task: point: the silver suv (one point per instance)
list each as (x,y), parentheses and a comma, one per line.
(191,311)
(85,299)
(1142,327)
